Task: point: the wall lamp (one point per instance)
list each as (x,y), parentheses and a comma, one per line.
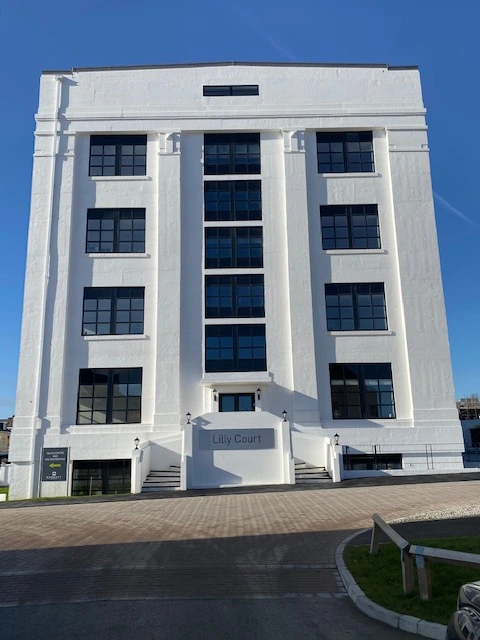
(259,393)
(189,415)
(336,437)
(284,414)
(215,397)
(137,442)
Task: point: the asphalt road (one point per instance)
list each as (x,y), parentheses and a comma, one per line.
(238,619)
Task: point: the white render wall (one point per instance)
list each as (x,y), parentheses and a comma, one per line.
(295,102)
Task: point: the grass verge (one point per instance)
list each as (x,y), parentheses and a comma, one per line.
(380,577)
(4,490)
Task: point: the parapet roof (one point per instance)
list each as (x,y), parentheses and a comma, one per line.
(233,64)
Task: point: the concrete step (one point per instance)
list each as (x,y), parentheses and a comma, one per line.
(167,472)
(312,480)
(153,489)
(312,476)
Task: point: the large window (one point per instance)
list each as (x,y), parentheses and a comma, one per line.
(362,391)
(228,153)
(97,477)
(352,307)
(109,310)
(230,90)
(235,348)
(234,296)
(233,247)
(109,396)
(350,226)
(115,231)
(233,200)
(118,155)
(237,402)
(371,461)
(345,152)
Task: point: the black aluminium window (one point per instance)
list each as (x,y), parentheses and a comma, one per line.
(233,247)
(234,296)
(235,347)
(352,226)
(356,307)
(237,402)
(118,155)
(345,152)
(96,477)
(113,310)
(109,396)
(362,391)
(231,153)
(230,90)
(115,231)
(233,200)
(371,461)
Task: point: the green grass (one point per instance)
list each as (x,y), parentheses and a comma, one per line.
(380,577)
(4,490)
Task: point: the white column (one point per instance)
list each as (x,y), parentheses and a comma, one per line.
(299,281)
(167,348)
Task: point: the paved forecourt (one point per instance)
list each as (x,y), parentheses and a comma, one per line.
(258,545)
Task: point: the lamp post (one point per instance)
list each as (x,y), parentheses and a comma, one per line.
(284,414)
(259,391)
(215,397)
(137,442)
(189,415)
(336,437)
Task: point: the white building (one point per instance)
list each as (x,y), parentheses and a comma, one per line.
(231,263)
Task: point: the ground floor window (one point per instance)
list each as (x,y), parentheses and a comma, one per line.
(371,461)
(97,477)
(237,402)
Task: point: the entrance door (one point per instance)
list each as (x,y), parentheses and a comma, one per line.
(237,402)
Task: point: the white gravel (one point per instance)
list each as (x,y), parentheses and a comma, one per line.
(462,511)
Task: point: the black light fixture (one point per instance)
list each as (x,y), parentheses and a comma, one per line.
(137,442)
(336,437)
(284,414)
(259,391)
(189,415)
(215,397)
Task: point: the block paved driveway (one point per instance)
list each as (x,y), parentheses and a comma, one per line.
(203,566)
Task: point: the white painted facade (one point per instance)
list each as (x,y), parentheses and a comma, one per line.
(167,104)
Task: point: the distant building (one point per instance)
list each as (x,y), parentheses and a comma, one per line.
(5,430)
(469,407)
(232,270)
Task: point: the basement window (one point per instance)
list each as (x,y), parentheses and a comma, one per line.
(230,90)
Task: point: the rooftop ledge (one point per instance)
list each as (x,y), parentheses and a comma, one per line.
(237,378)
(234,64)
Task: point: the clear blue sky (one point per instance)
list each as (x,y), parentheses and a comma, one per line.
(441,37)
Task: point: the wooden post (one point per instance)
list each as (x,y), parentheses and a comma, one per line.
(375,540)
(407,572)
(424,577)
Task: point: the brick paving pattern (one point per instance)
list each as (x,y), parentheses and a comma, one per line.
(247,545)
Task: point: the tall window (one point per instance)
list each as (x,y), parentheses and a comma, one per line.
(228,153)
(362,391)
(109,396)
(350,226)
(109,310)
(234,296)
(115,231)
(235,348)
(345,152)
(233,200)
(118,155)
(233,247)
(353,307)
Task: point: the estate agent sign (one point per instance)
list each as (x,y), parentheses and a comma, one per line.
(54,464)
(231,439)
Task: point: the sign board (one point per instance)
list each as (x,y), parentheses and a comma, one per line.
(235,439)
(54,464)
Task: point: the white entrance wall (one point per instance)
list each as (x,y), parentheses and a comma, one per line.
(238,467)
